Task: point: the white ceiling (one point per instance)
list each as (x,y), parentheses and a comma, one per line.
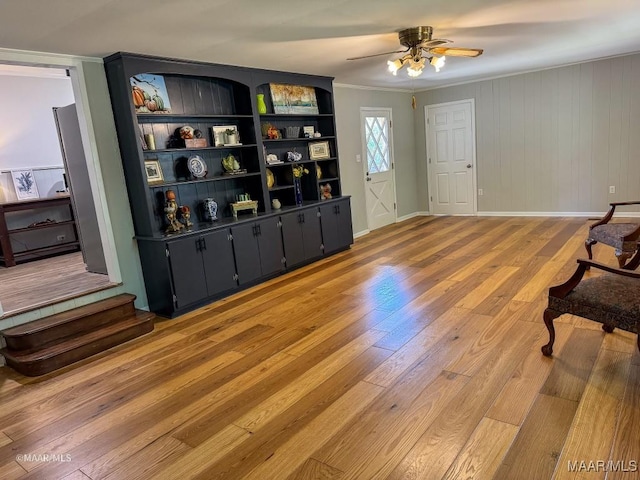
(318,36)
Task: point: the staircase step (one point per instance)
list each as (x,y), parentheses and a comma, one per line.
(51,329)
(38,362)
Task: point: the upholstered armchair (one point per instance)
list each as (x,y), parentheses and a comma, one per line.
(623,237)
(610,298)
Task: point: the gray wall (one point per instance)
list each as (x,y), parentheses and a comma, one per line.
(348,101)
(553,140)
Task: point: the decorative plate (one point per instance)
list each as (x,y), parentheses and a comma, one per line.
(271,180)
(196,166)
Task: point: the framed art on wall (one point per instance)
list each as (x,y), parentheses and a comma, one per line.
(25,184)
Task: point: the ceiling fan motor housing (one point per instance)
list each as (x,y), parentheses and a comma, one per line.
(410,37)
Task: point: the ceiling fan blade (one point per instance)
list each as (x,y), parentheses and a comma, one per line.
(434,43)
(378,55)
(456,51)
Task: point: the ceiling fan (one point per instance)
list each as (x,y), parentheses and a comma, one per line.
(419,43)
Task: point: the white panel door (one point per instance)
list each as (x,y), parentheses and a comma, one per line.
(451,158)
(379,179)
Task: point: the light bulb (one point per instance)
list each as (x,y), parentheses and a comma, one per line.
(394,66)
(413,72)
(437,62)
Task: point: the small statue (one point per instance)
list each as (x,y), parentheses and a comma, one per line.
(325,192)
(171,210)
(186,216)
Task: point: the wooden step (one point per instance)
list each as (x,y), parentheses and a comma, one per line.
(34,362)
(52,329)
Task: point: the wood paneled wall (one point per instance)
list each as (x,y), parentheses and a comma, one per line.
(552,140)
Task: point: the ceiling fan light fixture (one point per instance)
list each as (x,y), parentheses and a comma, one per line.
(395,65)
(437,62)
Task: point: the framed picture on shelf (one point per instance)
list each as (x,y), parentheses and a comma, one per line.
(25,184)
(295,99)
(225,135)
(154,171)
(308,131)
(149,93)
(319,150)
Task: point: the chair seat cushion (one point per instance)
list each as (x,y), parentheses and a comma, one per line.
(608,298)
(612,234)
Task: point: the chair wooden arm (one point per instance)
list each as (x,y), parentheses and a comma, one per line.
(607,268)
(561,291)
(609,215)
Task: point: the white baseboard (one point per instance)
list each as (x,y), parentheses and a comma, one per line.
(554,214)
(412,215)
(361,233)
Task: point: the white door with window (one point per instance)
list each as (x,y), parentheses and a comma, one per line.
(379,178)
(451,158)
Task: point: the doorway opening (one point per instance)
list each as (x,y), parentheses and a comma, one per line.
(48,228)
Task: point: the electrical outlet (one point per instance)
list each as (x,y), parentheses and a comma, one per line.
(61,238)
(612,189)
(480,192)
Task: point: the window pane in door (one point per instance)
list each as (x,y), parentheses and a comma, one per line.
(376,132)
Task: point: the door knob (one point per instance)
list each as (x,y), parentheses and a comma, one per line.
(468,165)
(368,179)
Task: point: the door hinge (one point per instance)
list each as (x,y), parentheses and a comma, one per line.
(318,214)
(175,301)
(322,247)
(429,159)
(394,206)
(229,237)
(166,252)
(393,165)
(283,260)
(235,276)
(279,224)
(431,198)
(427,120)
(390,124)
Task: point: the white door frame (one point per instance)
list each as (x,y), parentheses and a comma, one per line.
(365,165)
(474,167)
(80,92)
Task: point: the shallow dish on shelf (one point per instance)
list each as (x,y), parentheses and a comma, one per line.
(271,179)
(196,166)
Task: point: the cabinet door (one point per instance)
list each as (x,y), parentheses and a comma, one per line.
(187,271)
(247,254)
(329,222)
(270,246)
(292,238)
(345,228)
(311,234)
(219,267)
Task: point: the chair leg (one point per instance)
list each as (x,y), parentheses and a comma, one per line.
(622,258)
(634,262)
(587,244)
(548,316)
(608,328)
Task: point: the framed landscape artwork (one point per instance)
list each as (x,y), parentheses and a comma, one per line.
(294,99)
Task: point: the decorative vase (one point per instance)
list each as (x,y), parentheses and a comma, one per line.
(262,107)
(211,209)
(298,191)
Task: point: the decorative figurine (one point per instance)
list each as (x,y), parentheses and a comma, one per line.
(294,156)
(325,192)
(171,210)
(186,216)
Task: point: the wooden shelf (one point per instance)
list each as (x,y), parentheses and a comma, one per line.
(205,180)
(181,149)
(143,117)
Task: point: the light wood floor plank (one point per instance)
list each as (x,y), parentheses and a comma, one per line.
(413,355)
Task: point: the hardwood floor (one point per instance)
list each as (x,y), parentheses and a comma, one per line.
(415,355)
(32,285)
